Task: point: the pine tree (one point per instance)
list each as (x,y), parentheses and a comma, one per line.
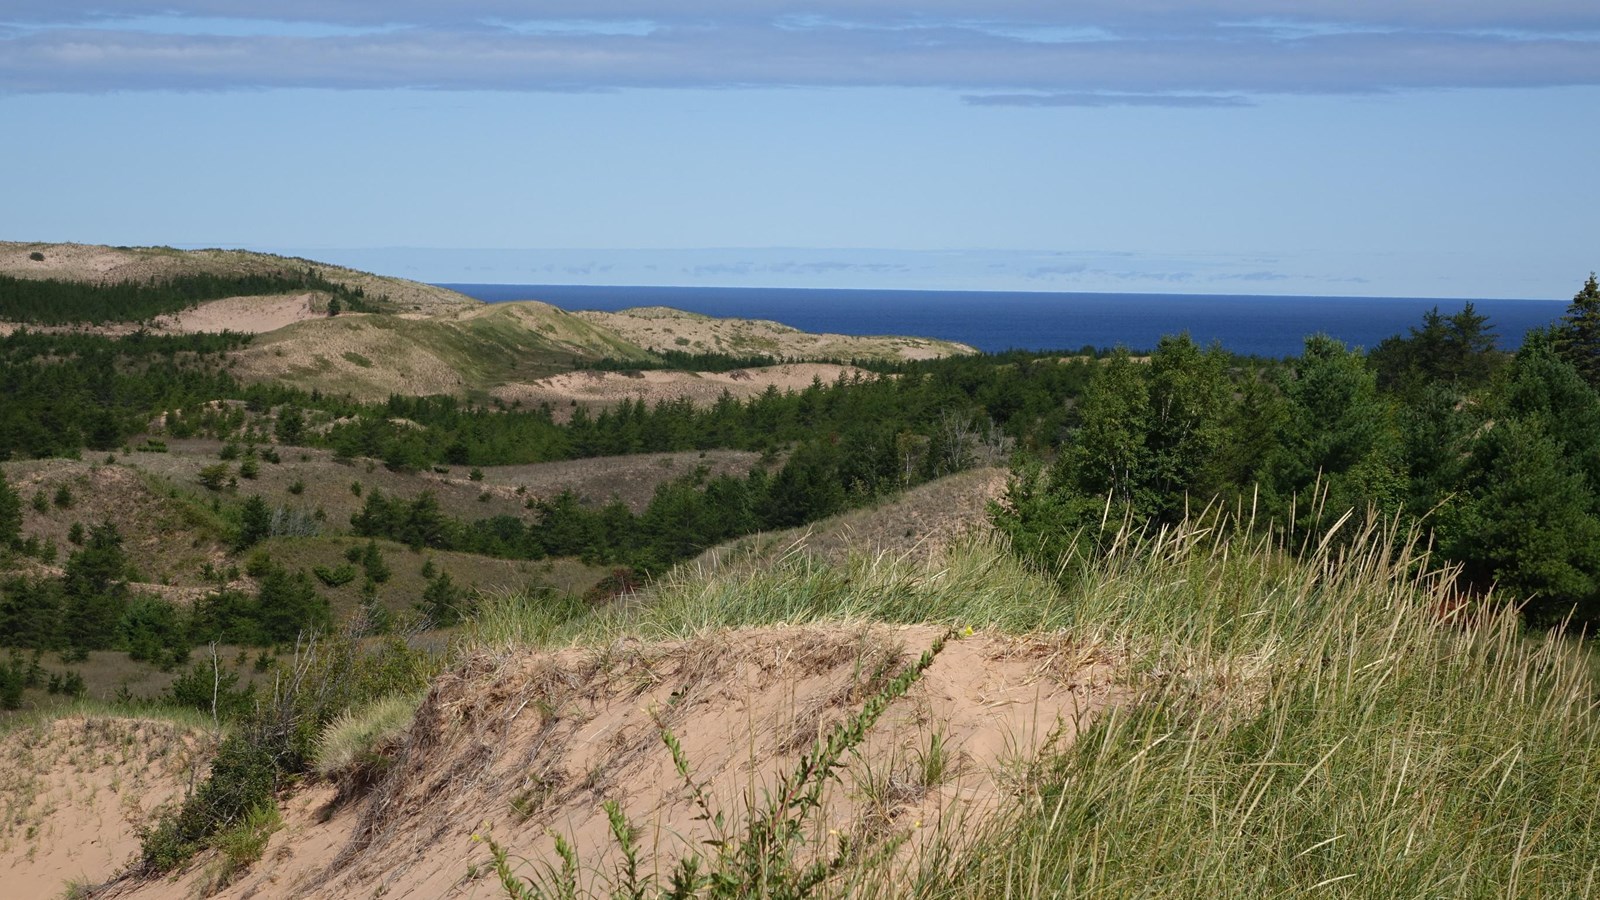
(1578,340)
(255,522)
(10,514)
(1525,522)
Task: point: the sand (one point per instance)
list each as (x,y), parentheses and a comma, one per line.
(521,746)
(75,792)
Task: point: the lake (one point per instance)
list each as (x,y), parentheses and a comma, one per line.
(994,321)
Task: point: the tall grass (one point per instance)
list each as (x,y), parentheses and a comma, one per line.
(1316,726)
(1332,721)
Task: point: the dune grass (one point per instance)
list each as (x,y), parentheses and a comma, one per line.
(1332,722)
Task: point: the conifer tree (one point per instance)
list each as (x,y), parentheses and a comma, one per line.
(10,514)
(1578,339)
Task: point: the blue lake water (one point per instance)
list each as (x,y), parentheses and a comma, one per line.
(994,321)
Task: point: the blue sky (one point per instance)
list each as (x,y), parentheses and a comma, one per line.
(1223,146)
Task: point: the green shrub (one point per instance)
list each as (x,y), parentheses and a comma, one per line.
(337,577)
(356,740)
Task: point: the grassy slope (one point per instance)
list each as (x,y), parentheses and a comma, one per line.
(459,353)
(1298,727)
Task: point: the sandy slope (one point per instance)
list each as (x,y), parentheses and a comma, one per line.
(661,328)
(529,743)
(246,315)
(93,262)
(75,792)
(596,389)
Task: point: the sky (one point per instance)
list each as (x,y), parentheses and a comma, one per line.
(1351,147)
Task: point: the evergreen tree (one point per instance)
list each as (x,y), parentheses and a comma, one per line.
(1337,436)
(96,589)
(1578,339)
(442,602)
(372,561)
(289,606)
(10,514)
(255,522)
(1526,522)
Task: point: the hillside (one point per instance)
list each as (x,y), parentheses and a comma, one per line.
(660,328)
(1170,717)
(466,351)
(100,264)
(428,340)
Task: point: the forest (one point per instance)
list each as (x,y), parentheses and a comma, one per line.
(45,301)
(1493,456)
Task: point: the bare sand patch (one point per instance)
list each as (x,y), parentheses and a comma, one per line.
(245,315)
(523,745)
(661,328)
(598,389)
(76,791)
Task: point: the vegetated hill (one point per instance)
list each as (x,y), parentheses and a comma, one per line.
(465,351)
(661,328)
(171,532)
(922,523)
(98,264)
(1197,714)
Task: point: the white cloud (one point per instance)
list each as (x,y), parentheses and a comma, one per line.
(1098,53)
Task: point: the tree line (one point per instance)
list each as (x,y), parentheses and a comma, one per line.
(47,301)
(1496,456)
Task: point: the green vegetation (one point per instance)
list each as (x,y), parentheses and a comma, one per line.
(50,302)
(1293,721)
(272,742)
(1344,595)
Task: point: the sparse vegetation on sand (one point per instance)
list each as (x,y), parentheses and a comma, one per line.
(1288,726)
(1210,714)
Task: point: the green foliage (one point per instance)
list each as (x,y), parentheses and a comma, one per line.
(255,522)
(1456,351)
(290,427)
(373,564)
(51,302)
(210,687)
(336,577)
(442,602)
(215,477)
(1338,447)
(277,739)
(18,674)
(10,514)
(1578,338)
